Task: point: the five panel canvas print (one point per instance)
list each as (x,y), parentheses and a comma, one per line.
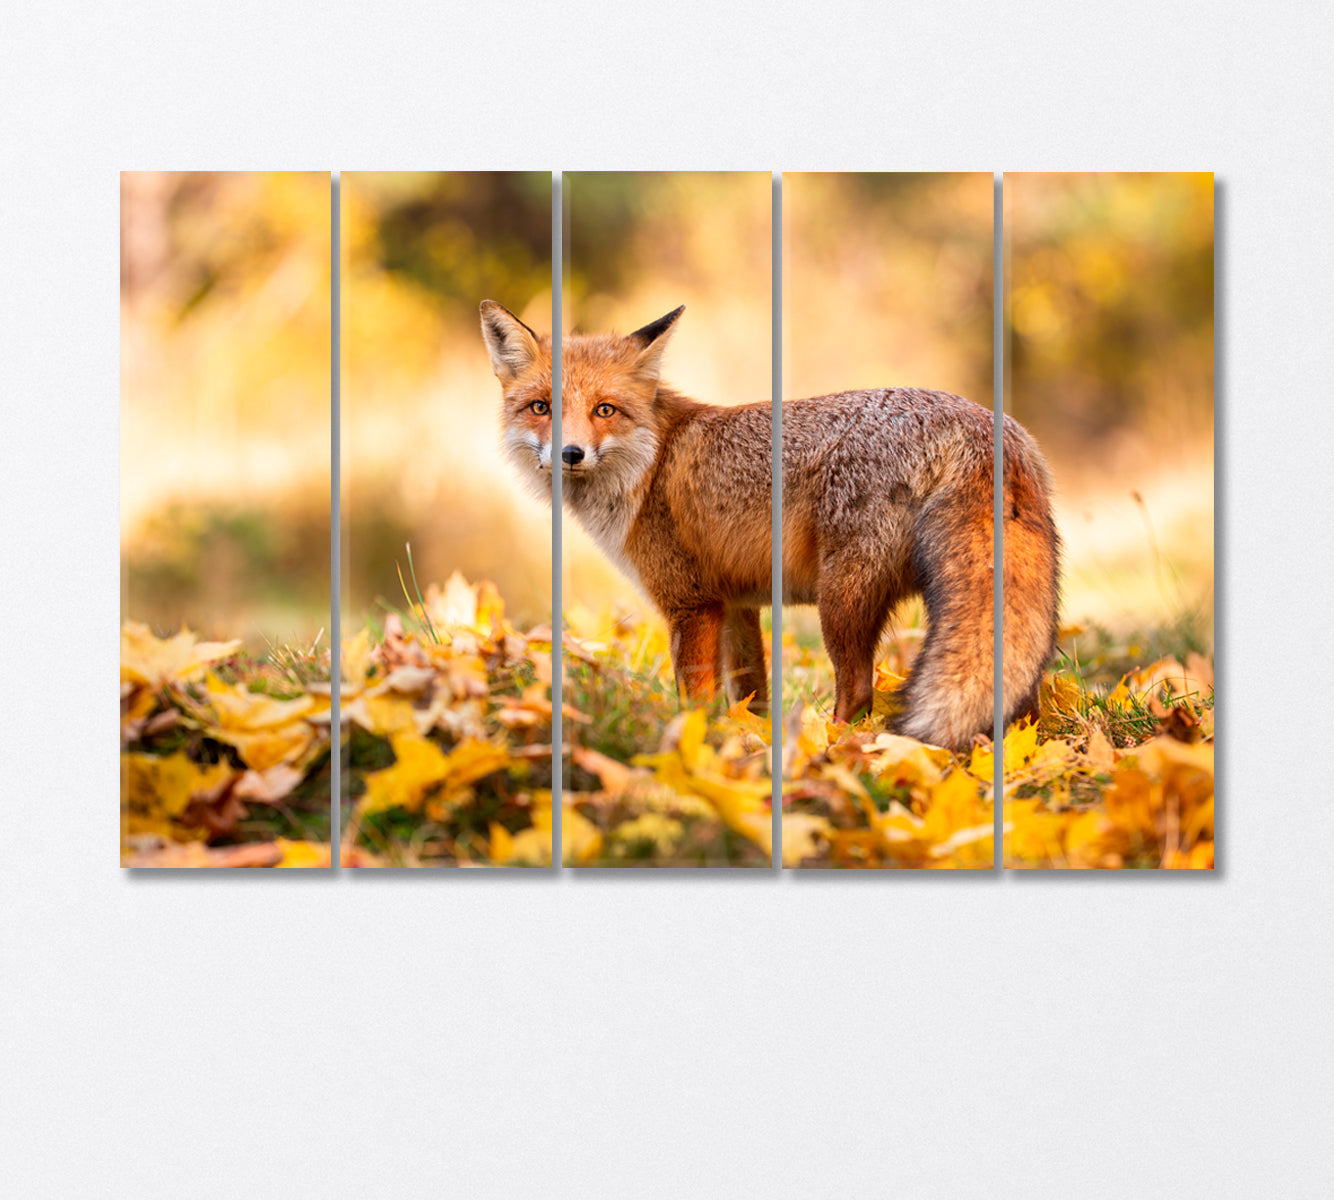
(633,619)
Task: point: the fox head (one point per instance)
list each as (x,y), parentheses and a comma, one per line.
(609,432)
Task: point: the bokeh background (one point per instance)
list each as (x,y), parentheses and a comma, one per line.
(637,245)
(225,365)
(420,407)
(225,449)
(887,282)
(1110,364)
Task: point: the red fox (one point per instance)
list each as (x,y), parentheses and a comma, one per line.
(886,493)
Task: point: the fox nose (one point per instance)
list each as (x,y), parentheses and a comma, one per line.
(572,455)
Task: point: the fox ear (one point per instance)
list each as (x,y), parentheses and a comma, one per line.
(512,345)
(652,340)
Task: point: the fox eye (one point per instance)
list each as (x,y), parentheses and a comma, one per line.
(604,410)
(540,408)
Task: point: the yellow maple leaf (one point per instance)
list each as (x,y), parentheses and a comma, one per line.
(472,760)
(356,656)
(1121,697)
(420,766)
(580,839)
(982,763)
(693,729)
(1032,834)
(529,847)
(694,768)
(958,815)
(804,836)
(303,854)
(1060,696)
(266,731)
(1020,745)
(155,792)
(956,829)
(456,604)
(760,726)
(156,662)
(383,714)
(739,802)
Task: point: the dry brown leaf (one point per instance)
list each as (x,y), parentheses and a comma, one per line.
(268,786)
(1100,754)
(613,775)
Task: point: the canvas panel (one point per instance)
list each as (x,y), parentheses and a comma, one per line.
(667,529)
(225,518)
(446,558)
(887,494)
(1109,305)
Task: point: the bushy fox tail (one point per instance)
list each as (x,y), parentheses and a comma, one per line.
(951,693)
(1032,573)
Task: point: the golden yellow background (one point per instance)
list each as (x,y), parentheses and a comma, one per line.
(225,434)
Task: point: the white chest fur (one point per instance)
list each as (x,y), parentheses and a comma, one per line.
(606,496)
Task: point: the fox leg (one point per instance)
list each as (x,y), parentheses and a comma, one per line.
(743,658)
(853,608)
(697,651)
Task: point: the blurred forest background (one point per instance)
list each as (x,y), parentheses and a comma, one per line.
(887,282)
(637,245)
(225,291)
(1110,364)
(421,457)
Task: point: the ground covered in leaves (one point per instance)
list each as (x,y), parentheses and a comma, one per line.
(1117,772)
(224,757)
(647,784)
(446,755)
(859,796)
(447,728)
